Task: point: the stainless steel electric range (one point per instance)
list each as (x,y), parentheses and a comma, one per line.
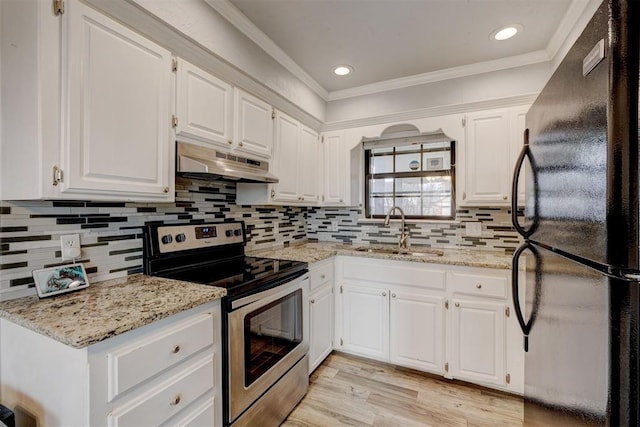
(264,317)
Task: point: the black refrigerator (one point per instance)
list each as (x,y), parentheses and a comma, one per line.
(576,279)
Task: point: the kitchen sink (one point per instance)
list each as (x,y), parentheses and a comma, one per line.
(399,251)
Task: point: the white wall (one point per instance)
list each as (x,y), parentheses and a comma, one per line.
(494,85)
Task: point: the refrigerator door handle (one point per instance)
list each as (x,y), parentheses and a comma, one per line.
(524,153)
(525,326)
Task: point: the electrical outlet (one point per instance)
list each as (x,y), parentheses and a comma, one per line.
(334,225)
(473,229)
(70,245)
(276,228)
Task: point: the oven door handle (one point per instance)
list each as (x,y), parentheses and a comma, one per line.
(276,289)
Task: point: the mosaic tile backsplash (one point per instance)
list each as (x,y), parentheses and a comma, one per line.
(111,232)
(345,226)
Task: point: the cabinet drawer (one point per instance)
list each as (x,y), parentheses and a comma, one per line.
(130,365)
(169,398)
(319,275)
(393,273)
(478,284)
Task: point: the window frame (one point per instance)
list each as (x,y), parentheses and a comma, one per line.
(451,172)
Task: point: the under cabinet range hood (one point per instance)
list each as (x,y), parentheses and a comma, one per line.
(194,161)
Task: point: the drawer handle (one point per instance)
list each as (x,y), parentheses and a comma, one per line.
(176,400)
(312,301)
(479,286)
(457,304)
(175,349)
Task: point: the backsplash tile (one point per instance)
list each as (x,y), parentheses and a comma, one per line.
(111,232)
(497,231)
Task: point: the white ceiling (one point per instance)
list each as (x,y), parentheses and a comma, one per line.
(390,39)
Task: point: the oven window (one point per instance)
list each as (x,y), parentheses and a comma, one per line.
(270,333)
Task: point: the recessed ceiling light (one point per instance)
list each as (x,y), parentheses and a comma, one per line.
(506,33)
(342,70)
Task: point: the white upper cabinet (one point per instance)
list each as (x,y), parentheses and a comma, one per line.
(286,161)
(111,137)
(119,83)
(254,125)
(493,142)
(204,106)
(334,169)
(517,127)
(309,162)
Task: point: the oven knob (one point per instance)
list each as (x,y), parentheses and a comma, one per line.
(181,238)
(229,233)
(237,232)
(166,239)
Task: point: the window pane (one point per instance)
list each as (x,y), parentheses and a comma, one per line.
(410,205)
(381,185)
(437,195)
(382,164)
(408,162)
(380,205)
(408,186)
(435,161)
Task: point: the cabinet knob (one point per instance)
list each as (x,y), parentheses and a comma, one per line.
(384,294)
(504,197)
(273,193)
(240,144)
(165,189)
(479,286)
(393,295)
(340,200)
(312,301)
(175,349)
(457,304)
(230,142)
(322,276)
(176,400)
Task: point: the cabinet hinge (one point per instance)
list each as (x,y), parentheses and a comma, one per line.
(57,175)
(446,367)
(446,304)
(507,312)
(464,122)
(323,139)
(273,114)
(341,342)
(174,121)
(323,198)
(464,195)
(340,288)
(58,7)
(508,378)
(174,65)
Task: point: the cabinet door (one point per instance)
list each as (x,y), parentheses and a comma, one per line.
(517,127)
(365,321)
(119,92)
(487,177)
(478,341)
(334,175)
(204,106)
(254,125)
(416,331)
(286,161)
(320,325)
(308,164)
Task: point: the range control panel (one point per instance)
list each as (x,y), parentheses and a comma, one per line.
(173,238)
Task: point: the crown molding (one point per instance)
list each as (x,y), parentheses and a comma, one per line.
(424,113)
(569,22)
(249,29)
(440,75)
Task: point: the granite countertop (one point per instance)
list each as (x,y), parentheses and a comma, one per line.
(106,309)
(311,252)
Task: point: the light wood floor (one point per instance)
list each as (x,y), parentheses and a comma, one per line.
(347,390)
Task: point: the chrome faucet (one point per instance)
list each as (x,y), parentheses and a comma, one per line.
(403,234)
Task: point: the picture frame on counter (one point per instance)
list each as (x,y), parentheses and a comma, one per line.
(60,279)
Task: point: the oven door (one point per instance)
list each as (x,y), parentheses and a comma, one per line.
(268,334)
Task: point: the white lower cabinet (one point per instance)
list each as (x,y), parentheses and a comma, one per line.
(321,313)
(164,373)
(419,347)
(478,341)
(450,320)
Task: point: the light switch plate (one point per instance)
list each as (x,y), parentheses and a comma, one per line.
(473,229)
